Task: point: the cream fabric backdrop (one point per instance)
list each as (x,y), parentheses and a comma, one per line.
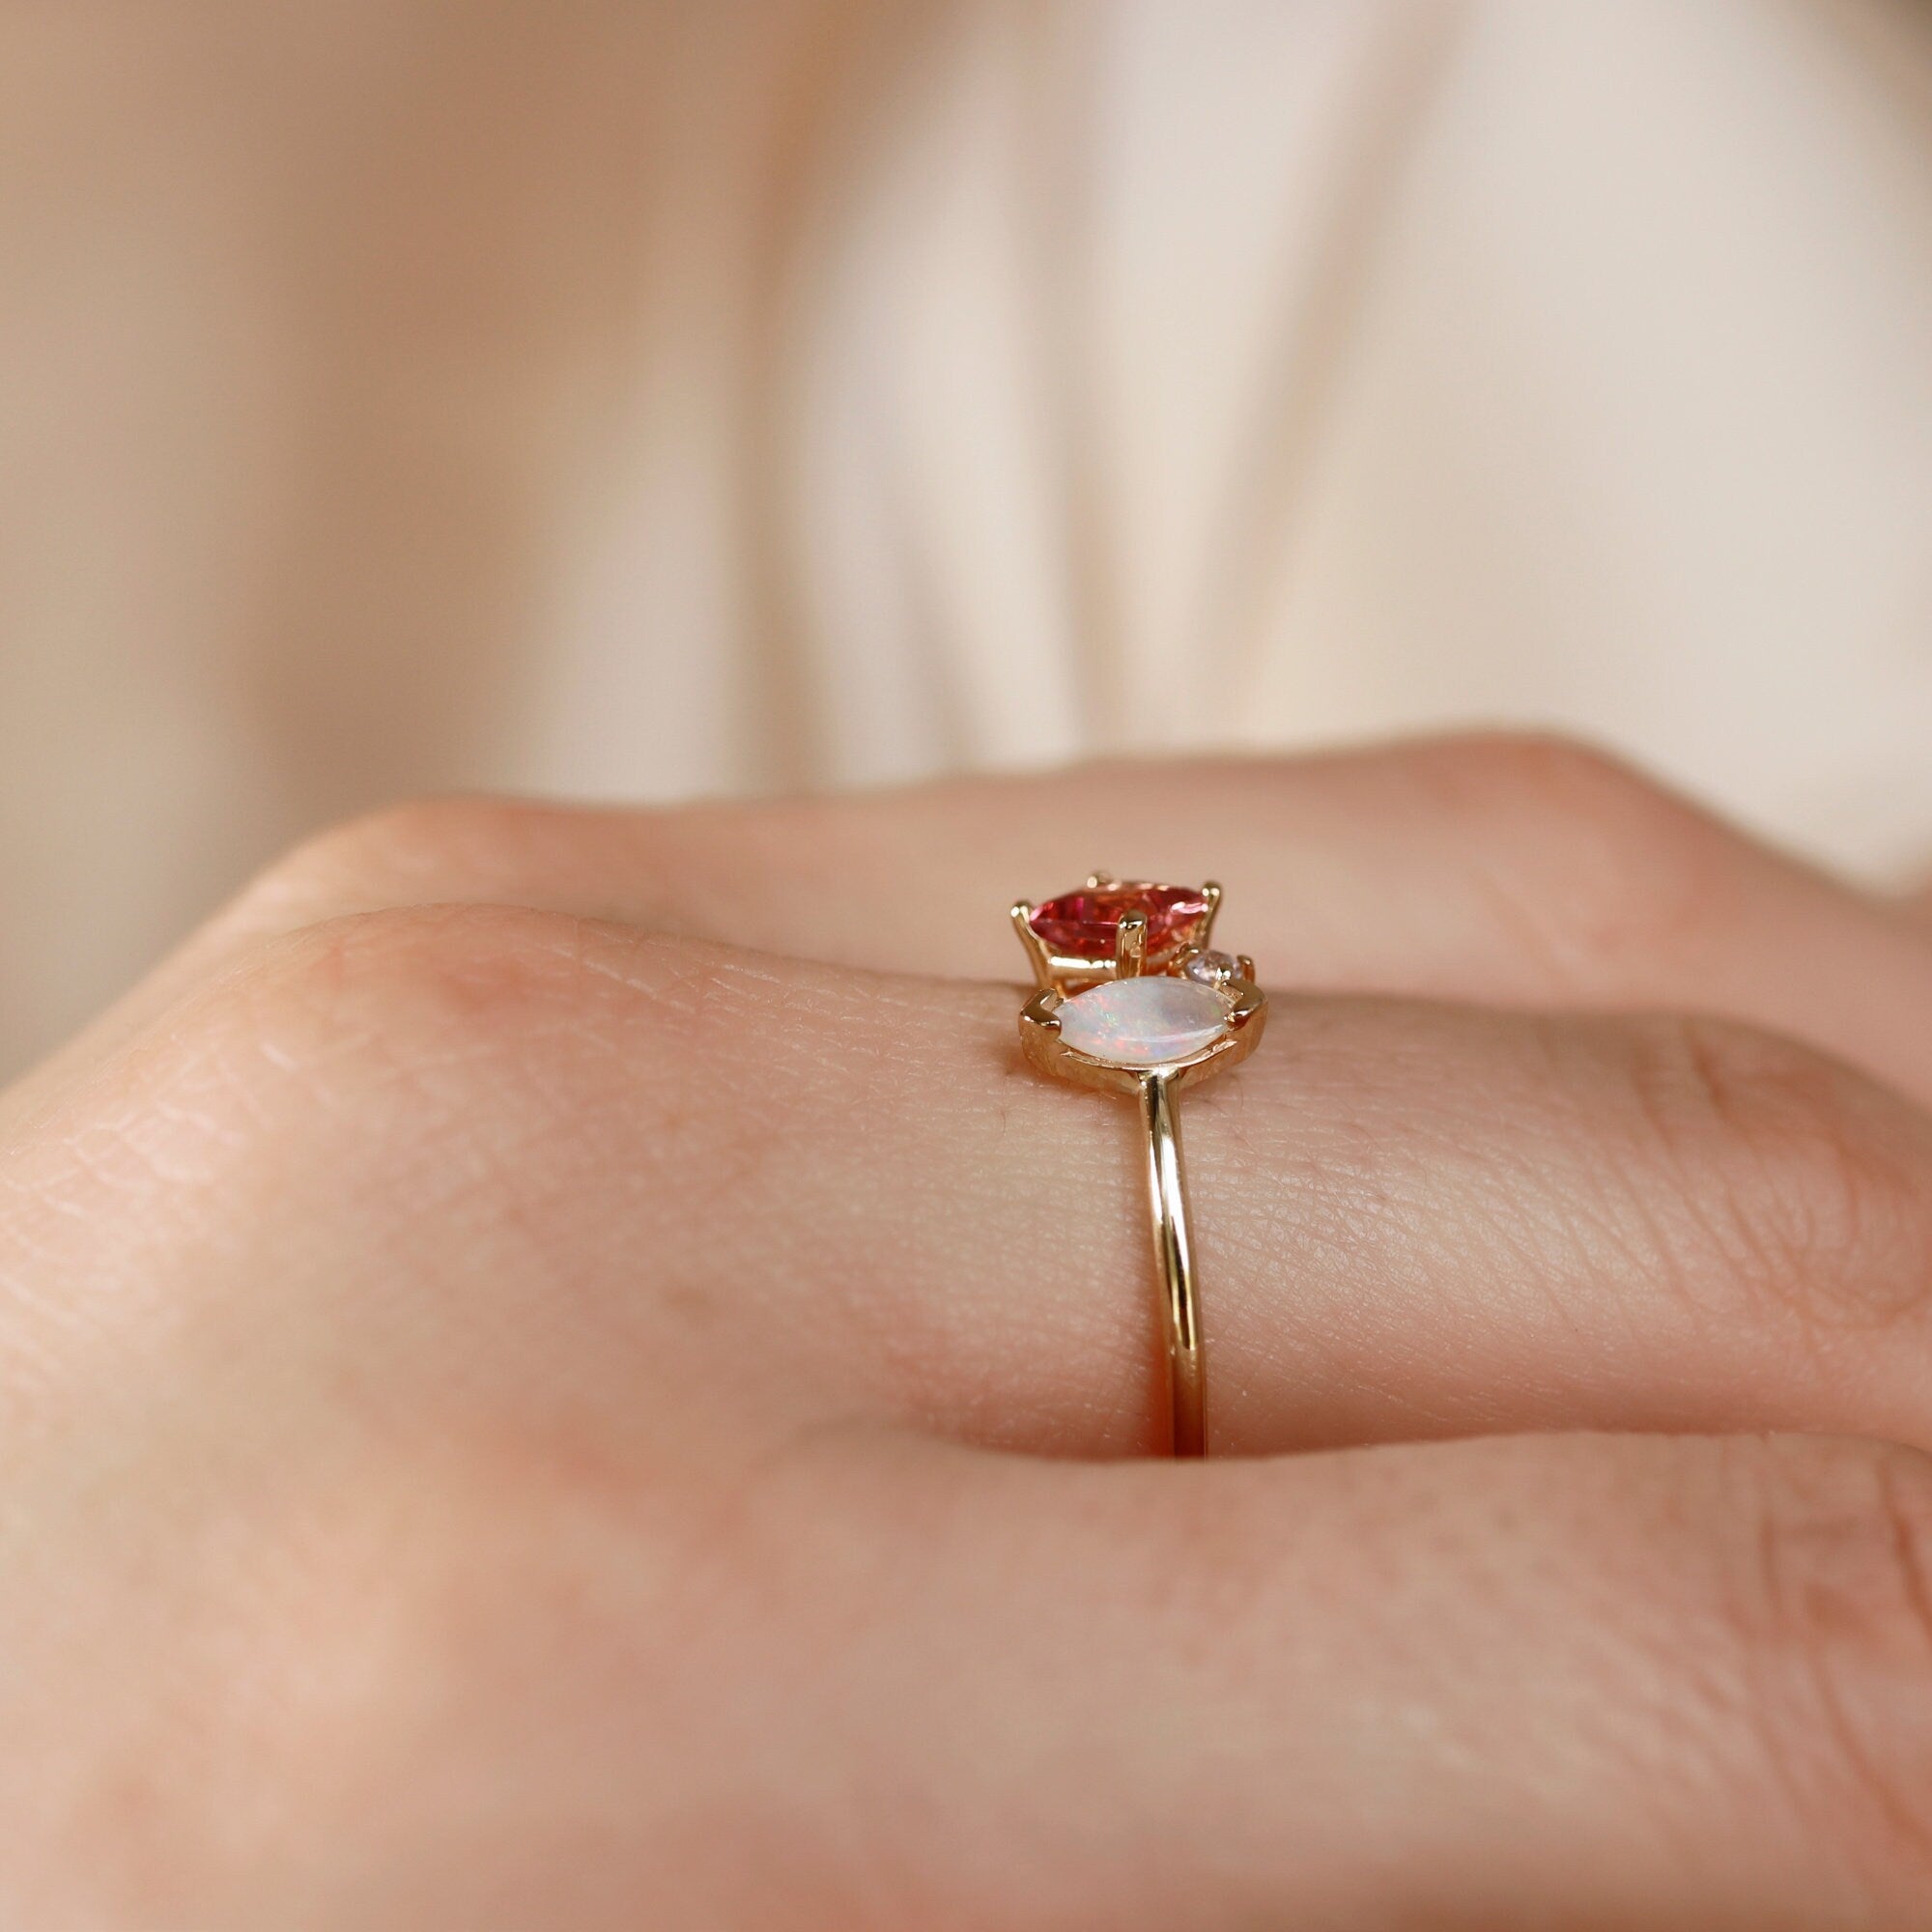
(641,401)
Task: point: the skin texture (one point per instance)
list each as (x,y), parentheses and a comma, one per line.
(555,1368)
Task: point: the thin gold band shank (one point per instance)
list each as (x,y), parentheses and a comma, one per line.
(1174,1258)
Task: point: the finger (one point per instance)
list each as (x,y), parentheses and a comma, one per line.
(1583,1682)
(1492,870)
(730,1180)
(865,1681)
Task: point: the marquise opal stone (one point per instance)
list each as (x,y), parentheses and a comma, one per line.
(1146,1021)
(1085,924)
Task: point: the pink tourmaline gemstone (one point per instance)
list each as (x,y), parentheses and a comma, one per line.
(1085,924)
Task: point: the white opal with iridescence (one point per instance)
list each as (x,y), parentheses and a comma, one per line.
(1146,1021)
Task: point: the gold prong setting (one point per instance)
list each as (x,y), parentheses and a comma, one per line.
(1200,1013)
(1038,956)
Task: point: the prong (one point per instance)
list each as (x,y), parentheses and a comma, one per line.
(1247,967)
(1099,881)
(1038,956)
(1211,892)
(1043,1009)
(1130,939)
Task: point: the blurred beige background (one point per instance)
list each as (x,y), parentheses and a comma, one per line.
(641,401)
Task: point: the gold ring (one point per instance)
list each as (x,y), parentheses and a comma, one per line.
(1133,1000)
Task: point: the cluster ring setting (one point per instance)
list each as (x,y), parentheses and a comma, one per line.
(1133,999)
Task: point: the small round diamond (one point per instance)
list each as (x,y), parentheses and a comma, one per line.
(1213,969)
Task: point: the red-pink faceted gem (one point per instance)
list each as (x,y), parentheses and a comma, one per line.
(1085,924)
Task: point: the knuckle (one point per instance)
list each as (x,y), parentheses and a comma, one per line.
(1601,868)
(1807,1177)
(1543,764)
(410,1088)
(412,973)
(458,1033)
(1837,1617)
(408,850)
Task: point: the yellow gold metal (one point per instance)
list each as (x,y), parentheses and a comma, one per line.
(1036,947)
(1156,1090)
(1211,890)
(1173,1255)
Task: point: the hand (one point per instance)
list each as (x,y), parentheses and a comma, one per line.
(502,1342)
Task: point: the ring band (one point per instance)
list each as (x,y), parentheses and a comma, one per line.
(1132,999)
(1173,1253)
